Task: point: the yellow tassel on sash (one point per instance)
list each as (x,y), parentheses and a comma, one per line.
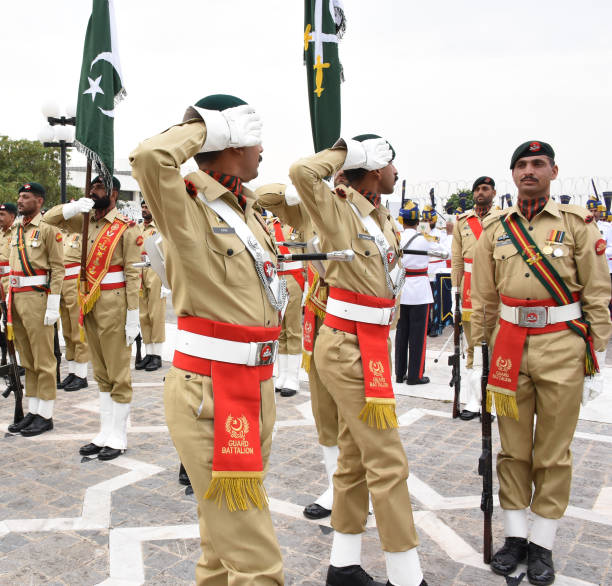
(10,334)
(505,404)
(379,413)
(306,357)
(239,492)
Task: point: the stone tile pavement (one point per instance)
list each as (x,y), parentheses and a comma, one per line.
(64,521)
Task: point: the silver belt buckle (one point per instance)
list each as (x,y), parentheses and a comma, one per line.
(532,317)
(266,353)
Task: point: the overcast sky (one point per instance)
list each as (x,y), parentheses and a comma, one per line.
(454,86)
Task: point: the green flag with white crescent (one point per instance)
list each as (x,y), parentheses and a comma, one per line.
(100,88)
(324,25)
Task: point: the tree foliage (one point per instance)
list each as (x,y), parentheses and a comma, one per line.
(22,161)
(454,201)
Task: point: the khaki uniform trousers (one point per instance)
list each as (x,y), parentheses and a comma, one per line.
(34,342)
(238,548)
(323,405)
(290,339)
(152,309)
(69,313)
(110,357)
(536,469)
(370,459)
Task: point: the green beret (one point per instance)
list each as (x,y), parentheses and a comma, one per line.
(100,179)
(532,148)
(362,137)
(219,102)
(11,208)
(32,187)
(484,180)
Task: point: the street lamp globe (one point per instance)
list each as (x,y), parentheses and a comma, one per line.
(50,109)
(46,134)
(65,133)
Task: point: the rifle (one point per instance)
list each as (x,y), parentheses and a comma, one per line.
(138,341)
(433,198)
(485,462)
(595,189)
(11,370)
(454,359)
(3,348)
(58,354)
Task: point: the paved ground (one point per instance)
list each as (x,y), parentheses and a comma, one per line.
(68,521)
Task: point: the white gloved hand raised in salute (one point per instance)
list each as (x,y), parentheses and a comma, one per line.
(370,154)
(234,127)
(80,206)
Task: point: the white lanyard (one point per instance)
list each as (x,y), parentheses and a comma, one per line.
(275,288)
(395,278)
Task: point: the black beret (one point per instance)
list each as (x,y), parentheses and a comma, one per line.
(33,187)
(100,179)
(362,137)
(484,180)
(219,102)
(11,208)
(532,148)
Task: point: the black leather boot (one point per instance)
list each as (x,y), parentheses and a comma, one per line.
(349,576)
(107,453)
(141,365)
(17,427)
(183,476)
(540,569)
(89,449)
(154,363)
(506,559)
(66,381)
(418,381)
(39,425)
(468,415)
(76,384)
(315,511)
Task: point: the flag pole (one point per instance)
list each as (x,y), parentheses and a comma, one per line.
(85,238)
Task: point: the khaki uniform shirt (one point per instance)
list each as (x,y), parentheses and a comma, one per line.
(500,270)
(210,271)
(44,250)
(72,247)
(463,246)
(126,253)
(339,227)
(5,244)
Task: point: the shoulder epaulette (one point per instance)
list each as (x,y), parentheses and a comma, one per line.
(579,211)
(493,217)
(463,215)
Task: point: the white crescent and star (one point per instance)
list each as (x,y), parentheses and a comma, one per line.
(94,84)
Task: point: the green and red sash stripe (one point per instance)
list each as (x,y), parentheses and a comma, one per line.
(232,183)
(548,276)
(28,270)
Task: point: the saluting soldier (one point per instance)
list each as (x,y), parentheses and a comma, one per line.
(110,306)
(540,297)
(152,303)
(284,202)
(37,270)
(219,393)
(290,340)
(77,351)
(352,354)
(466,233)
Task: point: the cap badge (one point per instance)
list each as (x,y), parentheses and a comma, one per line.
(534,147)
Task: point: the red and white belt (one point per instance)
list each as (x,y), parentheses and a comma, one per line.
(114,278)
(540,316)
(353,312)
(71,271)
(5,268)
(416,272)
(21,282)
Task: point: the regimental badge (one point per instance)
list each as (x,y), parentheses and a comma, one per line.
(600,246)
(504,364)
(390,256)
(269,270)
(534,147)
(58,237)
(588,219)
(27,186)
(237,427)
(266,353)
(340,192)
(139,240)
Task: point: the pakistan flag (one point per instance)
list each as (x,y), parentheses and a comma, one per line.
(324,24)
(100,88)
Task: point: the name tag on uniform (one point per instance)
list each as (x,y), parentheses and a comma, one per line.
(366,237)
(224,230)
(503,239)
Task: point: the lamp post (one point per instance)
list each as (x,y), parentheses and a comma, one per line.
(58,133)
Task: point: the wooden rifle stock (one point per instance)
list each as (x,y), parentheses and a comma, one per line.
(454,359)
(11,370)
(485,462)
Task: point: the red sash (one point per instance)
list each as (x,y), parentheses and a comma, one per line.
(466,292)
(237,474)
(379,410)
(316,300)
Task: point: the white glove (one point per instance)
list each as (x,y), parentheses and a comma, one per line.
(132,326)
(80,206)
(52,313)
(234,127)
(292,197)
(593,386)
(165,292)
(371,154)
(454,300)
